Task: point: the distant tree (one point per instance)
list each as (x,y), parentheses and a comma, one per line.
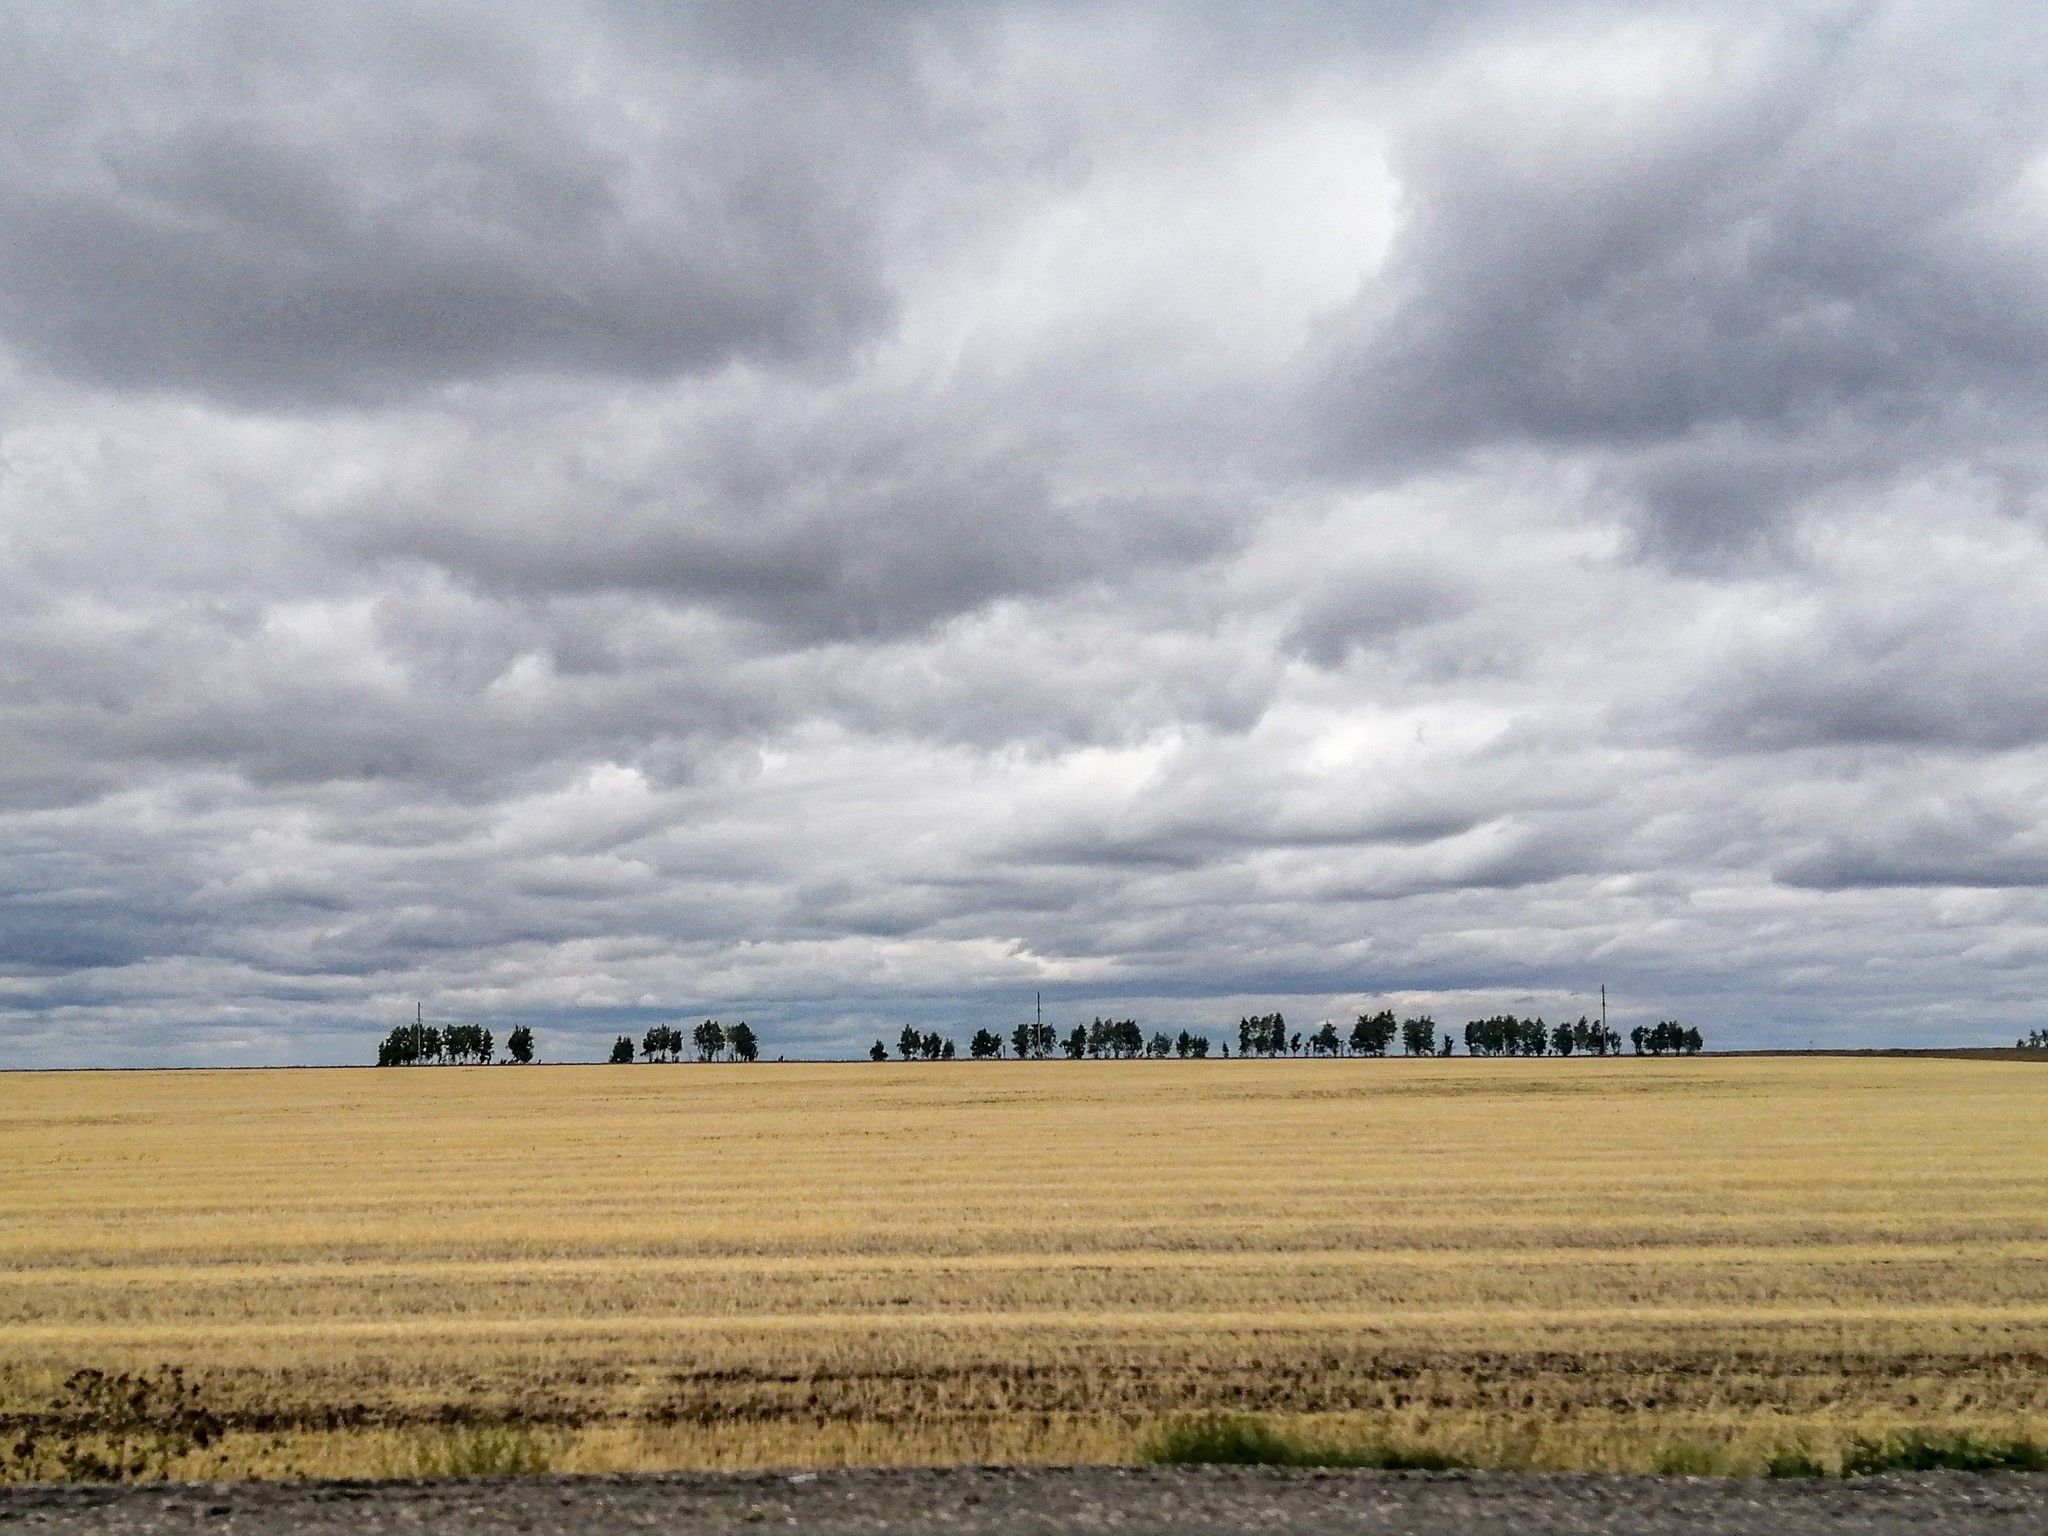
(1374,1033)
(1418,1036)
(1182,1044)
(622,1050)
(398,1049)
(1294,1044)
(1562,1040)
(654,1044)
(946,1052)
(742,1042)
(709,1038)
(2036,1040)
(1668,1037)
(909,1044)
(1445,1048)
(1022,1042)
(1077,1043)
(878,1052)
(1326,1042)
(1198,1047)
(519,1045)
(1263,1034)
(1636,1037)
(986,1045)
(1591,1039)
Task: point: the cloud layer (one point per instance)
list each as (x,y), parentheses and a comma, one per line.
(587,514)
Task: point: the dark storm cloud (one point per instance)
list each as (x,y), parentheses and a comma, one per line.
(1937,845)
(879,520)
(1761,250)
(316,207)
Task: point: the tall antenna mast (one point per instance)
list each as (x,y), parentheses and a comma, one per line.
(1603,1005)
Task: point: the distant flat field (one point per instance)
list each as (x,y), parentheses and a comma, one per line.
(1544,1263)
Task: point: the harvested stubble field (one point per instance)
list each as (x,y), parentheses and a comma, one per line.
(1530,1263)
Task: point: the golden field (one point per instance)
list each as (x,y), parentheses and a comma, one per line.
(1542,1263)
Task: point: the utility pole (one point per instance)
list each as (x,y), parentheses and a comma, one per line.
(419,1030)
(1038,1025)
(1603,1007)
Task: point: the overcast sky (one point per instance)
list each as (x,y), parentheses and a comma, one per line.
(850,515)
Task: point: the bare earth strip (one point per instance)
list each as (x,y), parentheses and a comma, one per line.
(1531,1263)
(970,1501)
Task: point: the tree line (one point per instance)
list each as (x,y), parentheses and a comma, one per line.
(1372,1034)
(1506,1035)
(1267,1035)
(452,1045)
(1261,1035)
(711,1041)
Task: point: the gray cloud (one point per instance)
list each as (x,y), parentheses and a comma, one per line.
(599,514)
(326,208)
(1767,251)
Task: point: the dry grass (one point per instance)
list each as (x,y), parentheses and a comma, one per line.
(1528,1263)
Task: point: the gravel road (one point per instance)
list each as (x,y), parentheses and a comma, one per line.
(970,1501)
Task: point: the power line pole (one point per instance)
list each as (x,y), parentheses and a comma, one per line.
(1603,1007)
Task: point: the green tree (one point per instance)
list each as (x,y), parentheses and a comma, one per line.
(986,1045)
(1077,1043)
(878,1052)
(1418,1036)
(741,1039)
(1373,1034)
(1325,1042)
(519,1045)
(622,1050)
